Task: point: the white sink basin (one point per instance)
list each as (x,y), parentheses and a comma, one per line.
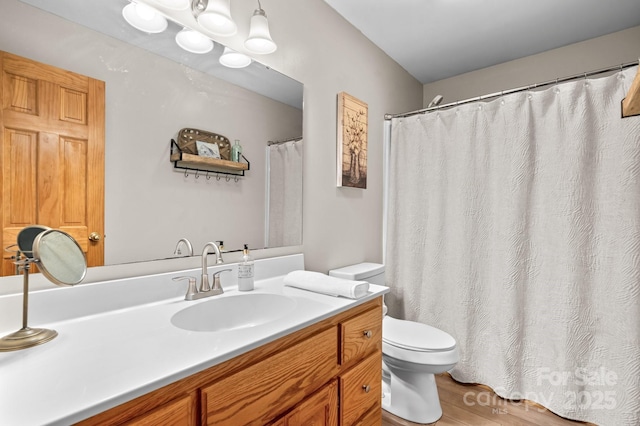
(233,312)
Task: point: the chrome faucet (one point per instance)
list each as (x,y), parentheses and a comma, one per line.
(204,285)
(187,243)
(194,294)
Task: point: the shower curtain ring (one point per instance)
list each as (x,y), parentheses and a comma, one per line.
(228,178)
(208,177)
(235,179)
(197,171)
(186,173)
(217,177)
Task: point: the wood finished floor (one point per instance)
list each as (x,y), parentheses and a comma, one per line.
(488,410)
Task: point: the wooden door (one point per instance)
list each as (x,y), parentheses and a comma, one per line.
(51,154)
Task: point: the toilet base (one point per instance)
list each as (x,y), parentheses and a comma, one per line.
(411,396)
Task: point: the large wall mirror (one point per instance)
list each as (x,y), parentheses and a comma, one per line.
(154,89)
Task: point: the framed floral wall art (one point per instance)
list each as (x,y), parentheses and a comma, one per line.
(352,141)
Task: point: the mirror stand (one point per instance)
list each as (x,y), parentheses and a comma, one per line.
(26,337)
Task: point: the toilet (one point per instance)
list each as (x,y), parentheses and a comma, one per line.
(412,353)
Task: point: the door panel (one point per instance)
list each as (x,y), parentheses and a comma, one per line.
(75,182)
(48,184)
(52,156)
(20,171)
(73,106)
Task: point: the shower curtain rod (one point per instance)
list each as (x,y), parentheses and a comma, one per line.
(284,141)
(510,91)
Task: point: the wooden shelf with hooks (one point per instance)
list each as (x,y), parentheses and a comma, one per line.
(185,161)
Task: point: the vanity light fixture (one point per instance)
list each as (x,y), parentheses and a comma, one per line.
(259,40)
(175,4)
(193,41)
(215,16)
(144,18)
(232,59)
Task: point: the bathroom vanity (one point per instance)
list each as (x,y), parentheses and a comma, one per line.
(315,359)
(323,372)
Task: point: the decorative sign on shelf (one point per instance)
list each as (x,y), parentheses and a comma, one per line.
(352,141)
(198,142)
(210,150)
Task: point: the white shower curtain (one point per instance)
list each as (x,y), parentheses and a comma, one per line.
(514,225)
(285,194)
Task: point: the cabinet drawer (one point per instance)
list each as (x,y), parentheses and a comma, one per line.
(361,335)
(259,393)
(361,392)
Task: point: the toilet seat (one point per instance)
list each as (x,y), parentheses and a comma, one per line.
(415,336)
(416,343)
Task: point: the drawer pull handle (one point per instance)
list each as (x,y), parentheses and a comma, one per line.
(366,388)
(367,334)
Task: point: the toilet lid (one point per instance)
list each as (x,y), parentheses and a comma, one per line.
(415,336)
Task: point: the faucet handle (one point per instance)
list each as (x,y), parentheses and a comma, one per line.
(193,289)
(217,285)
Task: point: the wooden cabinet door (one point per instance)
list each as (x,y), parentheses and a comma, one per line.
(51,154)
(320,409)
(361,393)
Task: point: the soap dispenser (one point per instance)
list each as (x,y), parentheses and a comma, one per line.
(245,271)
(236,151)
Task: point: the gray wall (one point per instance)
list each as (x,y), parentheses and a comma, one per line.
(318,47)
(598,53)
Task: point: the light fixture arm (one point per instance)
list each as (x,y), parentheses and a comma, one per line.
(198,6)
(260,10)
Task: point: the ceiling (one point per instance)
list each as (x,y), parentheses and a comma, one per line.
(436,39)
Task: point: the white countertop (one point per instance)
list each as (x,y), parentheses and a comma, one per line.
(103,357)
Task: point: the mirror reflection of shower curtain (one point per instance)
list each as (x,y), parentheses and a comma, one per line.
(284,194)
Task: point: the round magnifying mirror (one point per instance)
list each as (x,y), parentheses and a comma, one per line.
(60,257)
(27,236)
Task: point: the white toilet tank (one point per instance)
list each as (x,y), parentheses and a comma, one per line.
(371,272)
